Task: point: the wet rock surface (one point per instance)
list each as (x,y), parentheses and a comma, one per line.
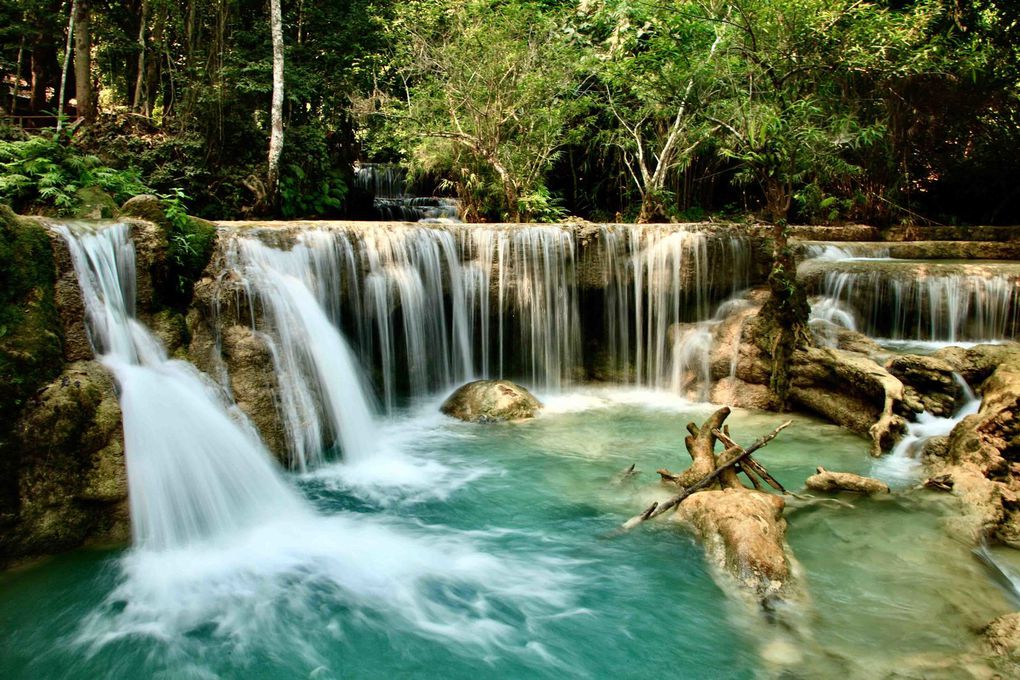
(491,401)
(982,458)
(72,481)
(929,383)
(851,390)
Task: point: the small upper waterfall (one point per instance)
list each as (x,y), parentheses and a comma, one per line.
(932,301)
(388,186)
(195,468)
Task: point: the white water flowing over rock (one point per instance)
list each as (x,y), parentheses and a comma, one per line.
(325,400)
(903,464)
(228,554)
(657,277)
(195,471)
(902,300)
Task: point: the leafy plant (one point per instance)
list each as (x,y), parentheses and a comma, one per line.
(45,173)
(190,244)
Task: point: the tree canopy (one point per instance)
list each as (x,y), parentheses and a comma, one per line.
(821,111)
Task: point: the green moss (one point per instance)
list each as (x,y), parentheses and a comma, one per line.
(190,242)
(30,343)
(30,350)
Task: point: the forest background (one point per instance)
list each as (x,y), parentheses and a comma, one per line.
(813,111)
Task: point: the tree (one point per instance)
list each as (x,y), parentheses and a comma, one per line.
(787,108)
(656,65)
(488,92)
(276,114)
(83,61)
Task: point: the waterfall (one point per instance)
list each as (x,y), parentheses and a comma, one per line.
(388,186)
(658,277)
(195,470)
(427,308)
(929,305)
(325,399)
(903,463)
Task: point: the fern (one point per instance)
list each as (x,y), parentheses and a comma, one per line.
(45,172)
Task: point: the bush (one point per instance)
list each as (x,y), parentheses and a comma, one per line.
(42,174)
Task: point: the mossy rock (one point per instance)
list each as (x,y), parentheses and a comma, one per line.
(72,479)
(491,401)
(92,203)
(30,341)
(189,245)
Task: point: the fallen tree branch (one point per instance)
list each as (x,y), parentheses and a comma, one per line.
(750,464)
(731,456)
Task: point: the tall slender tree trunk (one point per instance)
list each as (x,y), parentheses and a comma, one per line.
(83,61)
(139,101)
(276,114)
(17,76)
(42,59)
(153,67)
(61,99)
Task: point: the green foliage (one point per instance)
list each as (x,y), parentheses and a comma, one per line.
(311,183)
(43,172)
(190,243)
(490,91)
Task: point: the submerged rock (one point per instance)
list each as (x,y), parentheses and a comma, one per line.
(743,532)
(491,401)
(834,482)
(1002,636)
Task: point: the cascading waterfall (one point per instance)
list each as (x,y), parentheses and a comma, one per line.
(325,400)
(430,308)
(657,278)
(195,471)
(388,186)
(903,462)
(228,556)
(900,300)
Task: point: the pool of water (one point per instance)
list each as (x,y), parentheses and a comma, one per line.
(466,551)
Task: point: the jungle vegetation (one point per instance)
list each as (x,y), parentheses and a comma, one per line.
(814,111)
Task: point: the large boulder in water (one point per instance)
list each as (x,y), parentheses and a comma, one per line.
(491,401)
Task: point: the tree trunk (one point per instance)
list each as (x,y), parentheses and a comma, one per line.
(42,71)
(63,74)
(276,115)
(152,68)
(653,210)
(783,318)
(83,62)
(138,103)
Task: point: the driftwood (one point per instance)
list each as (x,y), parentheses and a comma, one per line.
(626,474)
(749,466)
(940,483)
(707,468)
